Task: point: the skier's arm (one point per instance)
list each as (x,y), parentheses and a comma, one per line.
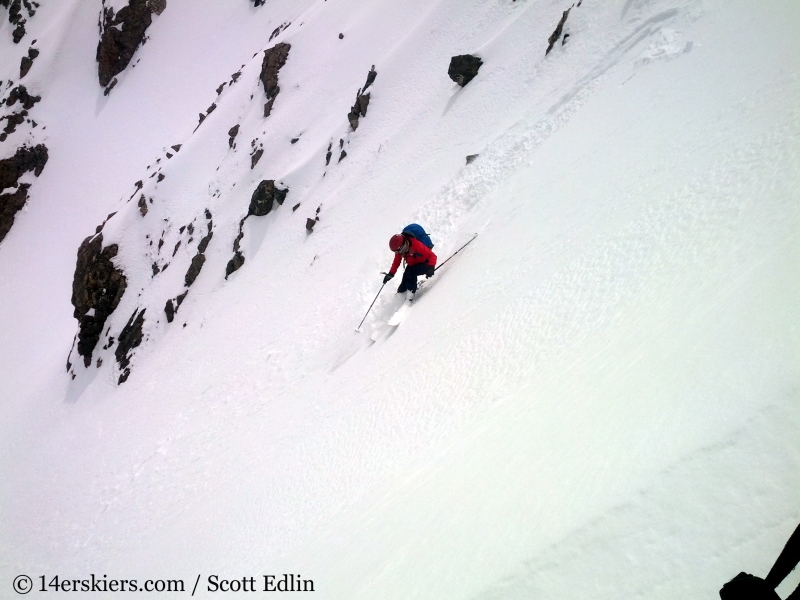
(431,258)
(395,264)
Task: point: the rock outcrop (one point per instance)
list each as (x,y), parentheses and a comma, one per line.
(463,68)
(121,34)
(263,197)
(16,18)
(199,259)
(130,337)
(27,62)
(11,169)
(97,287)
(24,160)
(274,59)
(261,203)
(20,94)
(10,205)
(359,108)
(232,133)
(557,33)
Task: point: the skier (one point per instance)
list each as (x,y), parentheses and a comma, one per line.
(419,259)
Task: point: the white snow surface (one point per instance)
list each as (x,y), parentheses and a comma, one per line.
(598,398)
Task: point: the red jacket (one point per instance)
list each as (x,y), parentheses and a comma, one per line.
(417,253)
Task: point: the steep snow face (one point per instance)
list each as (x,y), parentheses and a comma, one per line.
(595,399)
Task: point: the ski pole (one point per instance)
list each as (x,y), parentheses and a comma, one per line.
(454,253)
(370,307)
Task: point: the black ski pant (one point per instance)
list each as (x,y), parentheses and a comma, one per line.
(410,277)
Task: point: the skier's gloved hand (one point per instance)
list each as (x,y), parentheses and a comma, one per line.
(430,271)
(388,277)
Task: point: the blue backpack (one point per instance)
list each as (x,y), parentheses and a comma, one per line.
(417,232)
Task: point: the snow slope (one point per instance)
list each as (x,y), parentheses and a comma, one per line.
(597,399)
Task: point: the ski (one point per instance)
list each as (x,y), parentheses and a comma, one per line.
(400,314)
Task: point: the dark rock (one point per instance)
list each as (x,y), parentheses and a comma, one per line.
(280,195)
(142,205)
(138,185)
(121,34)
(232,133)
(157,6)
(198,260)
(178,245)
(310,224)
(181,298)
(295,140)
(342,156)
(169,310)
(359,108)
(239,237)
(557,33)
(341,36)
(19,33)
(463,68)
(130,338)
(211,108)
(27,62)
(97,287)
(155,268)
(258,2)
(370,78)
(255,157)
(169,155)
(24,160)
(177,147)
(328,154)
(276,32)
(20,93)
(110,87)
(13,120)
(201,247)
(15,16)
(263,197)
(208,214)
(234,264)
(160,177)
(274,59)
(471,158)
(295,207)
(10,205)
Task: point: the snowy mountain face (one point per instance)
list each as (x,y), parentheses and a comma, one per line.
(596,398)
